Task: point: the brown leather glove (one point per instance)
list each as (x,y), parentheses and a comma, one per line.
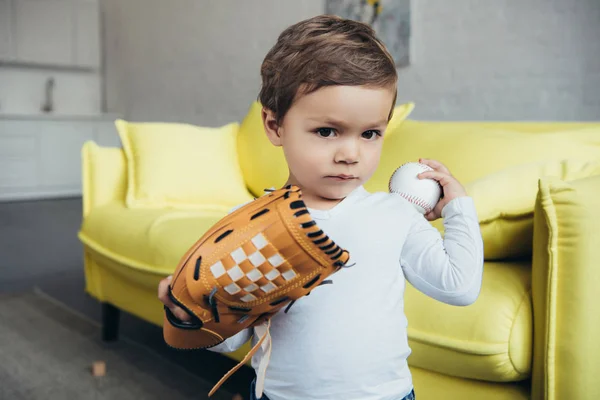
(258,259)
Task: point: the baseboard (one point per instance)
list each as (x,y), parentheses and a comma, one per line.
(39,194)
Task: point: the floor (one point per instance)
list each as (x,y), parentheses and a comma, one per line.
(39,248)
(56,362)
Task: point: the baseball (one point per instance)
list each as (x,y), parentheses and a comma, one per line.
(422,193)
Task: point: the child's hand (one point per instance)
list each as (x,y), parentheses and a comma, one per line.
(163,295)
(451,188)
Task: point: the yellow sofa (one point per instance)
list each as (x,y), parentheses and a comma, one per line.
(532,334)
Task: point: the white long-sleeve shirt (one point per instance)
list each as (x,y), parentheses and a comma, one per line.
(348,340)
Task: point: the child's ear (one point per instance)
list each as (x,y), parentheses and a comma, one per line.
(271,126)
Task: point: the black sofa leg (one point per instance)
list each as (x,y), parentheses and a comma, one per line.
(110,322)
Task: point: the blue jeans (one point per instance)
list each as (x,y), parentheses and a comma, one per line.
(410,396)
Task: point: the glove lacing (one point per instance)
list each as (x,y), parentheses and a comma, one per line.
(264,344)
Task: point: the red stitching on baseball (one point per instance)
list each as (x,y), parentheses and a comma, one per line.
(413,199)
(416,200)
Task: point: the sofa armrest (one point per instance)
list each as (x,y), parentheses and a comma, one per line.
(566,288)
(104,175)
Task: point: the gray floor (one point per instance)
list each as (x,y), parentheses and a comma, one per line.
(55,363)
(39,248)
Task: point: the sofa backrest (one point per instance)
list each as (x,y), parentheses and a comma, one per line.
(471,149)
(263,165)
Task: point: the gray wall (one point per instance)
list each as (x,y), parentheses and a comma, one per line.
(505,60)
(198,61)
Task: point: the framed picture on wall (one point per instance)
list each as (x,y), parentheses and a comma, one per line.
(389,18)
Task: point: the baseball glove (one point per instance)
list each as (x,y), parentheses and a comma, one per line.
(252,263)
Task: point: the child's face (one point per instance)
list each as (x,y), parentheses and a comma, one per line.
(332,139)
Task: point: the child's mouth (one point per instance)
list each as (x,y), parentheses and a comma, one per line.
(342,177)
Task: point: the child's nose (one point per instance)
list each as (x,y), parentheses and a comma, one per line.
(348,152)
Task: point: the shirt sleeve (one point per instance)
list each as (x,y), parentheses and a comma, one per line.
(234,342)
(449,268)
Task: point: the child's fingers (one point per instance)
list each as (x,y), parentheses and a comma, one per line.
(436,165)
(180,313)
(442,177)
(163,295)
(163,291)
(430,216)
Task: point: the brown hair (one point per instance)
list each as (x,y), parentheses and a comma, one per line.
(323,51)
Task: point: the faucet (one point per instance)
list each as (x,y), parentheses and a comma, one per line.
(48,106)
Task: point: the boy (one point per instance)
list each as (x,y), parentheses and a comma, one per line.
(329,88)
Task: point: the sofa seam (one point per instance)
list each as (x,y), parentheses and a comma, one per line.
(93,245)
(458,350)
(550,288)
(525,296)
(516,216)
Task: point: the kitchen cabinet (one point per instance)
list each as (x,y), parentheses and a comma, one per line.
(40,156)
(50,33)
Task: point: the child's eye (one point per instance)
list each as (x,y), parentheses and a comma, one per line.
(325,132)
(371,135)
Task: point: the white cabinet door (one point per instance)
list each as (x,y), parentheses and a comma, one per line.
(60,153)
(5,30)
(51,32)
(43,31)
(18,154)
(42,158)
(87,34)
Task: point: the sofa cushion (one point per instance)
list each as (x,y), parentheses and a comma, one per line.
(473,150)
(434,386)
(488,340)
(151,240)
(104,177)
(263,164)
(182,166)
(505,201)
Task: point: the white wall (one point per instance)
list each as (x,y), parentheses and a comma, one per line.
(22,91)
(198,61)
